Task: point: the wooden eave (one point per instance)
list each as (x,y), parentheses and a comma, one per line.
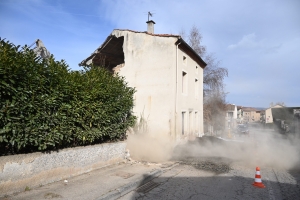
(182,45)
(109,54)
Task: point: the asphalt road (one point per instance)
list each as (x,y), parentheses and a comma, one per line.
(221,169)
(206,168)
(188,182)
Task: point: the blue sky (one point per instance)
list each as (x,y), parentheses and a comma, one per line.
(257,41)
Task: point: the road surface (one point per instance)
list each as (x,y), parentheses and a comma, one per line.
(223,169)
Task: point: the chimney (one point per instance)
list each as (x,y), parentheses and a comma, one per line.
(150,27)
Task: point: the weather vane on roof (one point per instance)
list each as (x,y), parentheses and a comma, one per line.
(150,15)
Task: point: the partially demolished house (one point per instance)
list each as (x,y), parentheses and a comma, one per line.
(268,116)
(287,119)
(167,74)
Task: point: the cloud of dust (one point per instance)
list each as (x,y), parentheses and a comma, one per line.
(261,148)
(152,147)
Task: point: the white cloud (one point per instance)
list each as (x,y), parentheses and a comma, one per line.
(248,41)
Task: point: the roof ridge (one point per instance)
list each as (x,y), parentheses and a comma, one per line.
(153,34)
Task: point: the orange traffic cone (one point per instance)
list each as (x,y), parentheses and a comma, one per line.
(257,182)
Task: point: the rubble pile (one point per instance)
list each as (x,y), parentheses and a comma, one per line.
(215,165)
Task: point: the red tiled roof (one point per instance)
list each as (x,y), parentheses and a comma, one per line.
(249,109)
(230,107)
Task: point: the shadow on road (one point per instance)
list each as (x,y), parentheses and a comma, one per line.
(205,170)
(190,184)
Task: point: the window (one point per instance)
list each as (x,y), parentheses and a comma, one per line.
(184,82)
(184,60)
(184,122)
(190,122)
(196,122)
(197,69)
(196,88)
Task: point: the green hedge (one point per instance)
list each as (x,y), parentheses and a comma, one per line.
(45,106)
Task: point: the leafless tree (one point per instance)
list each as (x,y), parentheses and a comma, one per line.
(195,39)
(214,110)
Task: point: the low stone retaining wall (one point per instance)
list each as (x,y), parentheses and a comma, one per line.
(31,170)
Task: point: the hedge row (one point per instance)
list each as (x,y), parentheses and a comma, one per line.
(45,106)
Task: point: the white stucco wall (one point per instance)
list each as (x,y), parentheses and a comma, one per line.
(148,68)
(235,112)
(154,65)
(187,101)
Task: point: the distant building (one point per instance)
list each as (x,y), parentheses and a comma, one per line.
(250,114)
(268,118)
(231,115)
(239,114)
(167,74)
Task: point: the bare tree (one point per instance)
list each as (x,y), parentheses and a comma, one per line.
(213,81)
(214,110)
(213,75)
(195,39)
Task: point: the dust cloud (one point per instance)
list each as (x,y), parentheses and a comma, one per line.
(151,147)
(261,148)
(268,149)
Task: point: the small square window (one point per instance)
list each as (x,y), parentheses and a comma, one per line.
(184,82)
(196,88)
(184,59)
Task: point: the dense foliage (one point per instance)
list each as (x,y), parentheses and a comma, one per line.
(45,106)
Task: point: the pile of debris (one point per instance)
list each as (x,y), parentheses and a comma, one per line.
(215,165)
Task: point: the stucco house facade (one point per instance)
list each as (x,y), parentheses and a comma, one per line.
(231,115)
(251,114)
(240,114)
(166,73)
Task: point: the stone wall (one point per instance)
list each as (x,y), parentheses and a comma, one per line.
(31,170)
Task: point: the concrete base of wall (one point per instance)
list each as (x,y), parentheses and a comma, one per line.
(32,170)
